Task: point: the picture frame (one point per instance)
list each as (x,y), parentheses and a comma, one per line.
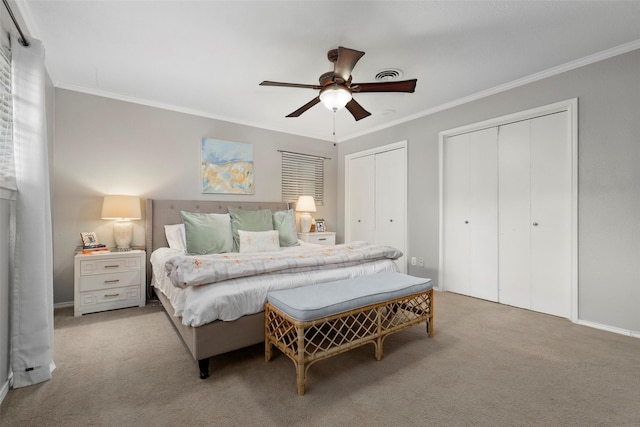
(226,167)
(320,228)
(89,238)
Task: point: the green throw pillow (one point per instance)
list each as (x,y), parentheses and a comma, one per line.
(207,233)
(248,221)
(285,223)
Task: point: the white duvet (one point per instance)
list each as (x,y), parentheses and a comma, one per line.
(231,299)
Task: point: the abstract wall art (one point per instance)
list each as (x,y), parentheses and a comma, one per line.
(226,167)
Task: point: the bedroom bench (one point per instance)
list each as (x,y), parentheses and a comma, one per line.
(312,323)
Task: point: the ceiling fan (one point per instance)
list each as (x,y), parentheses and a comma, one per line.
(336,88)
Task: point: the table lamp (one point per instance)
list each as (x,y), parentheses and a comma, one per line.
(123,209)
(305,205)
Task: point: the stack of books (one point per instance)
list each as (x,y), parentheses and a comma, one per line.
(94,249)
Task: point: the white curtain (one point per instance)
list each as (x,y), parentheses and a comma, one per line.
(31,283)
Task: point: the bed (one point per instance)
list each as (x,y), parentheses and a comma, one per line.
(202,313)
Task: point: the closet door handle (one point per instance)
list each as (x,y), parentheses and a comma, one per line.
(466,222)
(535,224)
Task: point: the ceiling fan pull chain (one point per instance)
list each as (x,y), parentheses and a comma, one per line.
(334,126)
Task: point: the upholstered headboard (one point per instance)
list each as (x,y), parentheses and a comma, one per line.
(166,212)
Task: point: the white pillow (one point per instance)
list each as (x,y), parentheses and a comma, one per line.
(176,237)
(259,241)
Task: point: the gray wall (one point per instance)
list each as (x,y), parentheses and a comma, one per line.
(608,95)
(105,146)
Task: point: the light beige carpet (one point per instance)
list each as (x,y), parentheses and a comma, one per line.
(487,365)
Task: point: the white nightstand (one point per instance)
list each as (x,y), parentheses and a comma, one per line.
(110,280)
(327,238)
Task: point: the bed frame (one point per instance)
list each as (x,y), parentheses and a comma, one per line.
(217,337)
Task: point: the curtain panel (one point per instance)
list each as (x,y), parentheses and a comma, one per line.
(31,266)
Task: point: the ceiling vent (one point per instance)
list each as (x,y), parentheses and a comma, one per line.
(388,75)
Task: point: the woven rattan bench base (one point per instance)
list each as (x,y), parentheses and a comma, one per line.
(306,342)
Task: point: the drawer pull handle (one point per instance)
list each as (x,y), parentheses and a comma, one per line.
(322,238)
(111,295)
(112,281)
(112,266)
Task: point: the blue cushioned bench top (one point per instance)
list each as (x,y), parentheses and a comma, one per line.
(326,299)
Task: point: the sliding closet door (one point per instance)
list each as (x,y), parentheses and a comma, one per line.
(470,216)
(535,214)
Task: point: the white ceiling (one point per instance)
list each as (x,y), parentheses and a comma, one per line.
(208,57)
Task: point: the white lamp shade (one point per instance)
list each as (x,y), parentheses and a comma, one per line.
(121,207)
(335,97)
(306,204)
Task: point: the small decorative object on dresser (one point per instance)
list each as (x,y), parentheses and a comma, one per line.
(90,244)
(89,239)
(320,225)
(106,281)
(327,238)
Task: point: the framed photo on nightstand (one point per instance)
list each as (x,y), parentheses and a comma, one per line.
(89,239)
(320,227)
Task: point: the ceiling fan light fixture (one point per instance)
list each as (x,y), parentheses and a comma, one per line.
(335,96)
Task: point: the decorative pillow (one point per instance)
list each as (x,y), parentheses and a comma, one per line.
(258,241)
(207,233)
(285,223)
(248,221)
(176,237)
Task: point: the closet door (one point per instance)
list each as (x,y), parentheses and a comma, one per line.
(361,199)
(390,183)
(470,216)
(515,214)
(535,214)
(551,215)
(456,244)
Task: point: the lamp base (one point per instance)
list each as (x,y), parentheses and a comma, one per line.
(122,235)
(305,222)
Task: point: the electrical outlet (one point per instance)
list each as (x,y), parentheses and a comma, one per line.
(413,260)
(421,262)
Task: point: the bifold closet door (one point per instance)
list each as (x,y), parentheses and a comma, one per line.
(361,192)
(390,182)
(535,214)
(470,214)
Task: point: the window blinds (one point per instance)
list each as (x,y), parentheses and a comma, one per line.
(302,175)
(7,167)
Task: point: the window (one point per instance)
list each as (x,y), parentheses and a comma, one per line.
(302,175)
(7,167)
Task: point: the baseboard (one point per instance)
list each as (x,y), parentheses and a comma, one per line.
(63,304)
(608,328)
(4,390)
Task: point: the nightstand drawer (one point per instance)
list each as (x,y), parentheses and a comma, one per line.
(327,238)
(106,281)
(110,295)
(96,266)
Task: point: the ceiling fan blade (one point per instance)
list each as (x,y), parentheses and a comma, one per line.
(408,86)
(305,107)
(298,85)
(347,59)
(356,110)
